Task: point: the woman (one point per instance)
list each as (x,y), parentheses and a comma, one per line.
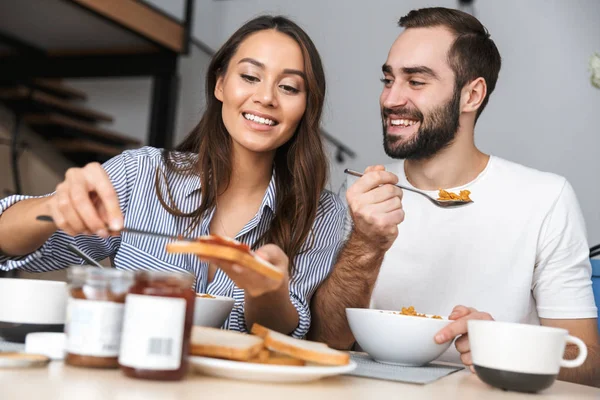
(254,169)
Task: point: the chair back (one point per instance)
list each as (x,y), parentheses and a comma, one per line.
(595,259)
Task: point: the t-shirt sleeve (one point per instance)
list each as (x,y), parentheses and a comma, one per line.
(562,284)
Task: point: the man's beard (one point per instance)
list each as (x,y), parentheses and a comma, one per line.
(436,132)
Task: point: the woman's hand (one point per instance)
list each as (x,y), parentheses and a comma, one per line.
(86,202)
(251,281)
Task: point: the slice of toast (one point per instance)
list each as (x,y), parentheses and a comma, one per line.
(305,350)
(219,343)
(263,332)
(274,358)
(261,357)
(212,251)
(259,331)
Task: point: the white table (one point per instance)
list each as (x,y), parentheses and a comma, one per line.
(59,381)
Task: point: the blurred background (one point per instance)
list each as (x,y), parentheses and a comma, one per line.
(82,80)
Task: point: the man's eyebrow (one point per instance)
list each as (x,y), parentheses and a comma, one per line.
(287,71)
(420,69)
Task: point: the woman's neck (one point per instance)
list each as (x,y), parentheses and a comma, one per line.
(250,173)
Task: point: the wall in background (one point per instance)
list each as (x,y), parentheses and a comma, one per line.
(126,99)
(41,167)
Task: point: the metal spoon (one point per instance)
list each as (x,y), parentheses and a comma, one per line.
(439,203)
(81,254)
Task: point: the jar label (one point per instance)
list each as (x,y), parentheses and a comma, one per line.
(93,328)
(152,332)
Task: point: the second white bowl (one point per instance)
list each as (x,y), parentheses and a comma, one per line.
(212,311)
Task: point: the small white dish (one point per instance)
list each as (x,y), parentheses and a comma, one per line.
(22,360)
(263,372)
(212,311)
(50,344)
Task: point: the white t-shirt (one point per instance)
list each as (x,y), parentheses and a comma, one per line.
(519,252)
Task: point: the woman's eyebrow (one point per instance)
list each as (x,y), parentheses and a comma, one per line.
(287,71)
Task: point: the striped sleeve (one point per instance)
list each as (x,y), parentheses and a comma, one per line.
(54,255)
(315,262)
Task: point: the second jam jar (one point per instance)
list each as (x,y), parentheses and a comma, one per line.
(95,315)
(157,323)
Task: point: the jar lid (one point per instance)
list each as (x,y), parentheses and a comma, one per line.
(22,360)
(151,275)
(88,272)
(116,280)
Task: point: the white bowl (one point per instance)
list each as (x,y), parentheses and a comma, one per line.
(397,339)
(31,305)
(212,312)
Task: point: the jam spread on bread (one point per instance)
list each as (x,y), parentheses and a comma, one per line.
(223,241)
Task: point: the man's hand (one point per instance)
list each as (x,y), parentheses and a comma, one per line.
(376,207)
(460,315)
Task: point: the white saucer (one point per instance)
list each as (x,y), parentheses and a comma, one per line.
(265,372)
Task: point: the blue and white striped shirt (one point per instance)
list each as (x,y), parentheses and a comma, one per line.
(133,175)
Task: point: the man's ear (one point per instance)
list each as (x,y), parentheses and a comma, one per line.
(473,95)
(219,88)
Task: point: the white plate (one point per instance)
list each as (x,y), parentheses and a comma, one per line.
(263,372)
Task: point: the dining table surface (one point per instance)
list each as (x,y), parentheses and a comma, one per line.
(57,380)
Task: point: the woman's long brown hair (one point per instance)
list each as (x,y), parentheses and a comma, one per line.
(301,167)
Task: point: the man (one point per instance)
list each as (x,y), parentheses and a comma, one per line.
(518,253)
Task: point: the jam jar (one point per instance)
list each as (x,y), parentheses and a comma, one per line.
(95,315)
(157,323)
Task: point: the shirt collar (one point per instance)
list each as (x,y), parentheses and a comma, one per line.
(193,185)
(269,198)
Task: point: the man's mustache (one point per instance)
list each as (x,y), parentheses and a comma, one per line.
(402,112)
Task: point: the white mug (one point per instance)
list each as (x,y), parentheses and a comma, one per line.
(520,356)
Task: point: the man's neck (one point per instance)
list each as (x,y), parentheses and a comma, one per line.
(454,166)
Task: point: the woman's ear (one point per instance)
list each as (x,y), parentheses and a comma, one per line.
(219,88)
(473,95)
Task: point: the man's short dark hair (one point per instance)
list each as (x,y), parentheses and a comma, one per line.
(472,55)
